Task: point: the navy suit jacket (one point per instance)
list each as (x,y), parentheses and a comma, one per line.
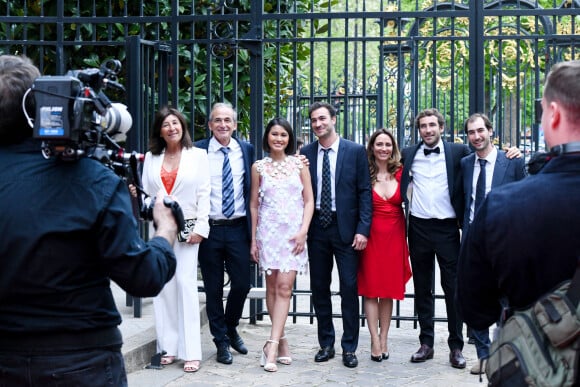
(352,187)
(453,155)
(523,242)
(505,171)
(248,154)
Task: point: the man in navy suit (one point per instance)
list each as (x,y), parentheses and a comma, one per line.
(344,236)
(228,243)
(524,238)
(432,189)
(499,170)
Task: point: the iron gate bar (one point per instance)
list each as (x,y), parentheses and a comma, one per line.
(363,104)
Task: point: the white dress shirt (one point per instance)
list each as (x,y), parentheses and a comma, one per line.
(489,167)
(216,160)
(431,199)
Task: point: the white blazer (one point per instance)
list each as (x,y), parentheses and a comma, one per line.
(191,188)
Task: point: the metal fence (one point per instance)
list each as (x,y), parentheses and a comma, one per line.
(379,62)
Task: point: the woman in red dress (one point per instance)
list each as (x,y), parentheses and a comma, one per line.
(384,267)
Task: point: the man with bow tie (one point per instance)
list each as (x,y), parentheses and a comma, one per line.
(431,186)
(434,206)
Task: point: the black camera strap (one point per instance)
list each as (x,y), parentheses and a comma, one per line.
(540,159)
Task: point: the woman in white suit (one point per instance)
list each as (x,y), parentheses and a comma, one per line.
(175,165)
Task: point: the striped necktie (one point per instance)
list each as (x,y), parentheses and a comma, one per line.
(227,185)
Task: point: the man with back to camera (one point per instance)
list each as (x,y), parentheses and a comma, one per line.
(339,228)
(228,243)
(524,239)
(67,230)
(498,170)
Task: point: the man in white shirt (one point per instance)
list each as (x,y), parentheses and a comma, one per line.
(498,170)
(228,243)
(434,206)
(339,228)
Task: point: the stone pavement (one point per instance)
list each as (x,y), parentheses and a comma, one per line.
(139,336)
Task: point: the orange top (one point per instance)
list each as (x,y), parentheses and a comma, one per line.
(168,179)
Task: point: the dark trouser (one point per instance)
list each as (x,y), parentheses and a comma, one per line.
(227,246)
(325,245)
(429,238)
(88,368)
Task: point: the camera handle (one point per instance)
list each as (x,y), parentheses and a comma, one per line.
(146,211)
(133,163)
(177,212)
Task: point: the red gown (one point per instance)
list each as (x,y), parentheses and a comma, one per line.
(384,268)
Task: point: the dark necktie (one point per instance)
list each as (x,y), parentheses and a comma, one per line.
(480,187)
(227,185)
(428,151)
(326,192)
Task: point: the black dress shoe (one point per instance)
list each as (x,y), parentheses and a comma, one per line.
(385,356)
(456,359)
(324,354)
(378,358)
(349,359)
(425,352)
(237,343)
(224,355)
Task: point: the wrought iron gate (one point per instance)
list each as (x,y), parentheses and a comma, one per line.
(379,62)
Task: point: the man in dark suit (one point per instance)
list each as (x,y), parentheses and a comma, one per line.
(499,170)
(228,243)
(524,238)
(342,233)
(434,206)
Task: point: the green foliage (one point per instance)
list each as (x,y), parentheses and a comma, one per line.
(195,89)
(203,79)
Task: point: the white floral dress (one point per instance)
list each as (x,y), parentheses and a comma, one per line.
(280,214)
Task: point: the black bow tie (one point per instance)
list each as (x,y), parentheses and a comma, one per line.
(429,151)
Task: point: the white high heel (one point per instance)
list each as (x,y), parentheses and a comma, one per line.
(286,360)
(270,367)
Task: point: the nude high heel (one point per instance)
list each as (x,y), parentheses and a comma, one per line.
(270,367)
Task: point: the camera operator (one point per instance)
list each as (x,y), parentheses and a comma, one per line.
(67,230)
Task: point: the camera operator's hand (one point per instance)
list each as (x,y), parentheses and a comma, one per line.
(164,219)
(133,190)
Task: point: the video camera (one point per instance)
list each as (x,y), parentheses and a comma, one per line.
(75,118)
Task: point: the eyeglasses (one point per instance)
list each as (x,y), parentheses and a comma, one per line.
(218,120)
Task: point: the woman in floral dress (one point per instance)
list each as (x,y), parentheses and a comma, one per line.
(281,206)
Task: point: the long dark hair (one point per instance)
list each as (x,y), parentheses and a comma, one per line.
(156,143)
(394,162)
